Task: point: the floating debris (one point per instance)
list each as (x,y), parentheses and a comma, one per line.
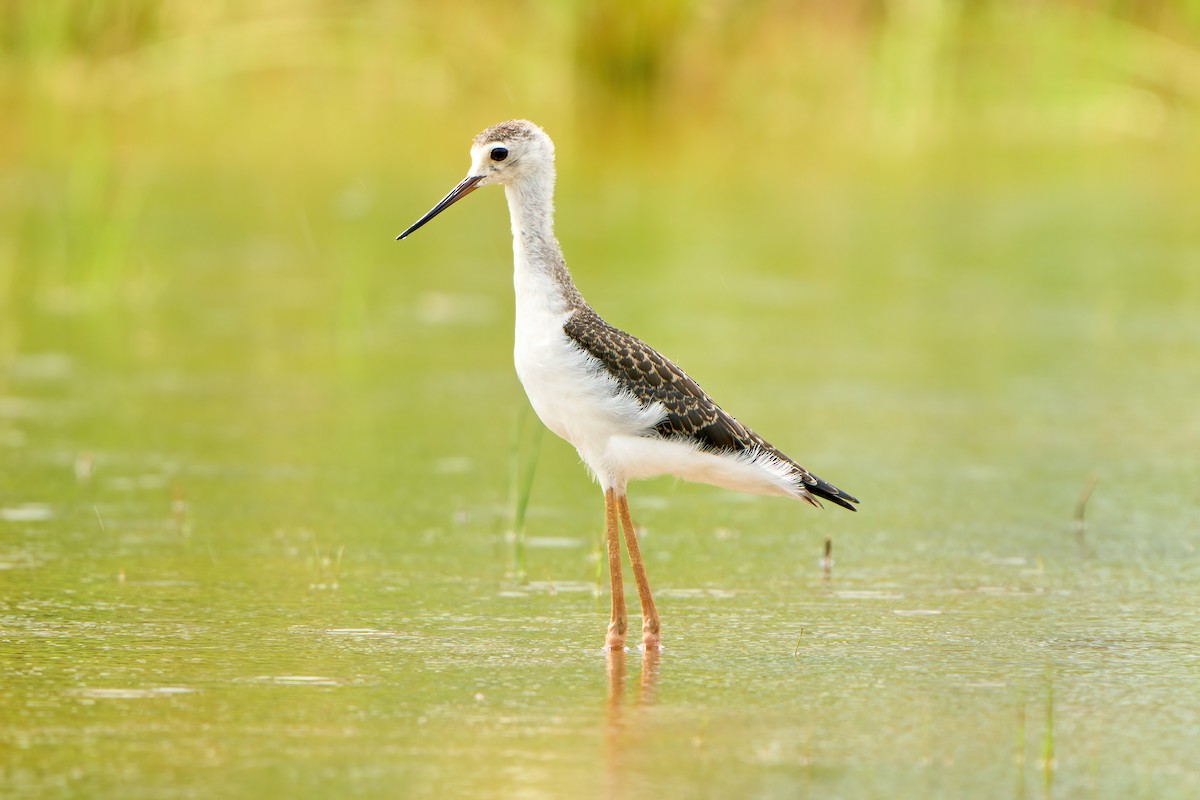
(1080,511)
(867,594)
(83,468)
(27,512)
(298,680)
(371,633)
(131,694)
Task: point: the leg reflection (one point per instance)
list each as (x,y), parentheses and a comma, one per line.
(618,739)
(648,680)
(615,667)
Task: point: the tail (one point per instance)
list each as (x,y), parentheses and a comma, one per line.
(809,487)
(826,491)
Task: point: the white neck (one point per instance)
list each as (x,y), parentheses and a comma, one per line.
(539,270)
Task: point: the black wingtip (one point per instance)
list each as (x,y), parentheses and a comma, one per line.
(827,491)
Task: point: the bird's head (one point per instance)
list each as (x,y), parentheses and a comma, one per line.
(507,152)
(504,154)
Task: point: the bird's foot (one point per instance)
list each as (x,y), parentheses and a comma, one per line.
(616,636)
(650,637)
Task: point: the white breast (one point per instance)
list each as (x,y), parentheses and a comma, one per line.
(579,400)
(570,390)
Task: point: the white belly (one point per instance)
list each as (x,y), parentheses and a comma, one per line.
(572,393)
(576,398)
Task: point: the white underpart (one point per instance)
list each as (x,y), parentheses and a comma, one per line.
(752,471)
(578,400)
(571,391)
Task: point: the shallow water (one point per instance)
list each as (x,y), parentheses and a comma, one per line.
(254,524)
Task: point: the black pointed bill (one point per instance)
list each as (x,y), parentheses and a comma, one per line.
(468,185)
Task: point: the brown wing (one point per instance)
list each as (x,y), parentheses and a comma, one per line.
(651,377)
(690,413)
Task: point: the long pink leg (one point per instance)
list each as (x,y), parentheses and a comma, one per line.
(612,539)
(650,627)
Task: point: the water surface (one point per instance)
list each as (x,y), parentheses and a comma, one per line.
(255,521)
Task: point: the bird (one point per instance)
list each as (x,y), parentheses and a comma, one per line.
(630,412)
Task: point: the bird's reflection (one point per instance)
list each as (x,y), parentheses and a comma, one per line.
(618,737)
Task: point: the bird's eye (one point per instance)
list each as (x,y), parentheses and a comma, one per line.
(499,153)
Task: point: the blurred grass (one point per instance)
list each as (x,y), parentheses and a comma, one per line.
(192,186)
(115,109)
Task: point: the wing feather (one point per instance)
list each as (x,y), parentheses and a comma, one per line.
(690,412)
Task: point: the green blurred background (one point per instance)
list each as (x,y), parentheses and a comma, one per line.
(143,135)
(260,464)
